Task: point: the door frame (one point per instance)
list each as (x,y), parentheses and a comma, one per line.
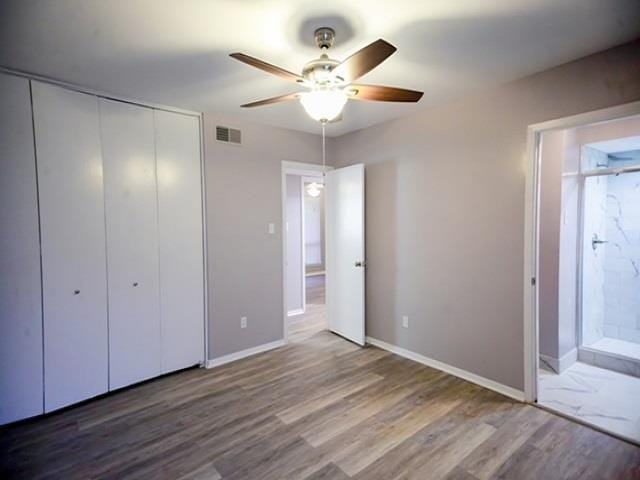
(303,170)
(532,228)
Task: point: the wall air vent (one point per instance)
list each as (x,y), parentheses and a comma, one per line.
(228,135)
(235,136)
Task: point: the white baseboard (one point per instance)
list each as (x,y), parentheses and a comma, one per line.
(568,359)
(550,363)
(297,311)
(457,372)
(559,365)
(232,357)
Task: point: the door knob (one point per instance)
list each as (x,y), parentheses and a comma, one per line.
(76,292)
(135,284)
(361,264)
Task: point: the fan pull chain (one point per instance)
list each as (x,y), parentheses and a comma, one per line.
(323,151)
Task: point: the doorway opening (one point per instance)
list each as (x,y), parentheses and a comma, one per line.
(588,274)
(305,252)
(333,242)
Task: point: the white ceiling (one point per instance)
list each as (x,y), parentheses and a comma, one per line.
(175,52)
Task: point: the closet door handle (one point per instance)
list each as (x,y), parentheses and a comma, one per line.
(76,292)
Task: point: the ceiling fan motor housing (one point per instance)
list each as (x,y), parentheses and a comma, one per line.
(318,71)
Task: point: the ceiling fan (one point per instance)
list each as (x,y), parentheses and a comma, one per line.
(331,82)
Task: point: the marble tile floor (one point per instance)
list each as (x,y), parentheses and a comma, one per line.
(605,399)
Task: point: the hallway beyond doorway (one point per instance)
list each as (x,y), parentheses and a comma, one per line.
(314,319)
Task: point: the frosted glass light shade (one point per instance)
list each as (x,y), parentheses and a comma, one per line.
(313,189)
(323,105)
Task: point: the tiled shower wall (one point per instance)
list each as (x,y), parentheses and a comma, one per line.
(593,260)
(622,258)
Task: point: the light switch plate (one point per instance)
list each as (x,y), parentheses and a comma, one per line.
(405,321)
(272,228)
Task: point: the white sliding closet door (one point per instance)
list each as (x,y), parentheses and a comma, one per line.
(181,250)
(73,244)
(20,293)
(132,242)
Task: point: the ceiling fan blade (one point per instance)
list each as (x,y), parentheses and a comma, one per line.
(269,101)
(381,93)
(364,60)
(267,67)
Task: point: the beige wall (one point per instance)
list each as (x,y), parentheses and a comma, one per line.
(243,185)
(551,166)
(559,222)
(445,211)
(568,219)
(314,228)
(293,222)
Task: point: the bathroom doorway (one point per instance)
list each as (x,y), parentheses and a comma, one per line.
(588,282)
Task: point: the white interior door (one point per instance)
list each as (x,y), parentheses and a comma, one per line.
(74,279)
(345,252)
(132,242)
(180,240)
(20,293)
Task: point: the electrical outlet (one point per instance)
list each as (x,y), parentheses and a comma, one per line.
(243,322)
(405,321)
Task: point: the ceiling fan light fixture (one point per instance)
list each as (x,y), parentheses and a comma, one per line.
(323,104)
(332,81)
(314,189)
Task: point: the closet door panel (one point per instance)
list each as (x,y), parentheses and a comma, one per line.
(132,242)
(20,292)
(181,249)
(69,165)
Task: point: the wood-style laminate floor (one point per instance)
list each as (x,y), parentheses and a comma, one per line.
(314,319)
(318,408)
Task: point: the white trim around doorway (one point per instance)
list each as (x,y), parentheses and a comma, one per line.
(531,230)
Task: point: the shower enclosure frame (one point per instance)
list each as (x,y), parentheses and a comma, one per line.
(532,229)
(582,178)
